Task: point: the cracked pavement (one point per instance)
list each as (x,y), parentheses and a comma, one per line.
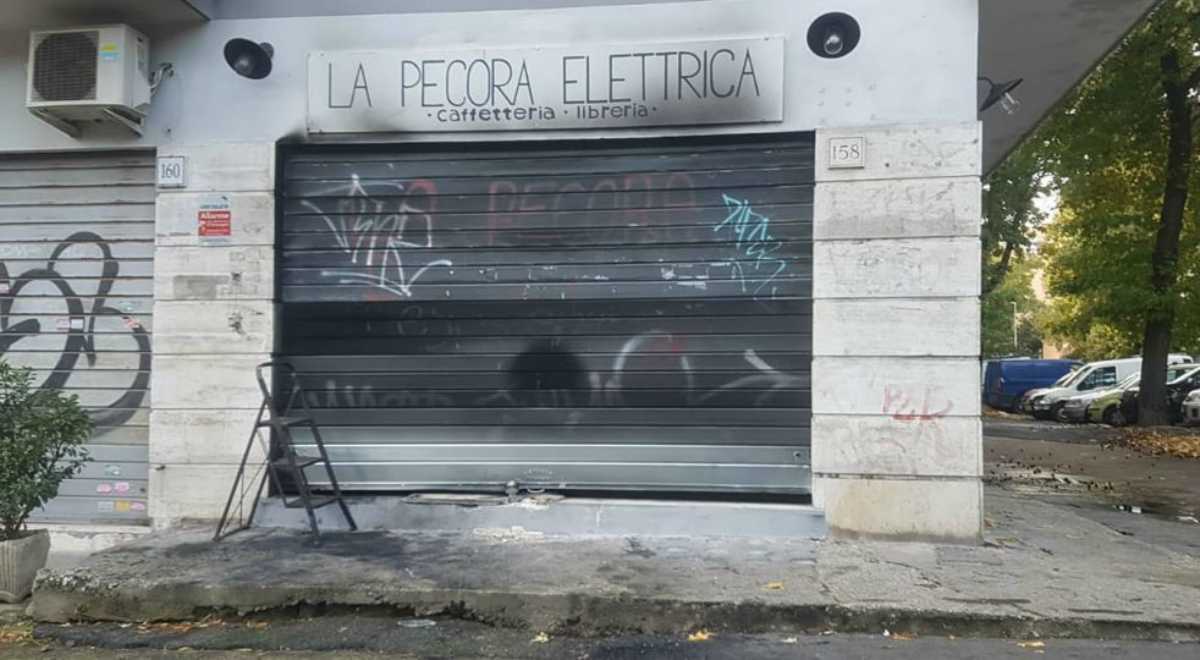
(1044,569)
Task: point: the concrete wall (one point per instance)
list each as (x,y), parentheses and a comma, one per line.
(897,447)
(213,304)
(896,429)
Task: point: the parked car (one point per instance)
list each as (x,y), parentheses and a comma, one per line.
(1104,407)
(1075,409)
(1026,404)
(1191,408)
(1007,381)
(1088,378)
(1177,390)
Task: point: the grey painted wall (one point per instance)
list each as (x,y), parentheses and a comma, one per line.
(915,64)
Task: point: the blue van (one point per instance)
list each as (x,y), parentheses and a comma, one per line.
(1005,381)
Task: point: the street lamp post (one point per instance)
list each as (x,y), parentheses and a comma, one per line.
(1014,306)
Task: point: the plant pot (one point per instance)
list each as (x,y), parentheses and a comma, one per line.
(20,560)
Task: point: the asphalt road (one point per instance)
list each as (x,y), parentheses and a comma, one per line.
(349,636)
(1027,428)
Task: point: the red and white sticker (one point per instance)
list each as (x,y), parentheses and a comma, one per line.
(214,220)
(215,223)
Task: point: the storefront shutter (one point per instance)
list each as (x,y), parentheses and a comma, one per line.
(76,295)
(596,316)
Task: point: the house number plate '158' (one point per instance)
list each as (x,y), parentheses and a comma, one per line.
(847,153)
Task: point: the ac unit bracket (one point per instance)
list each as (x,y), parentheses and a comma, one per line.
(63,125)
(136,125)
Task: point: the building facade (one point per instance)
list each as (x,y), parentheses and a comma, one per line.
(632,249)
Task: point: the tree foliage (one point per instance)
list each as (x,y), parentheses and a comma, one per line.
(1123,257)
(1011,216)
(42,433)
(998,311)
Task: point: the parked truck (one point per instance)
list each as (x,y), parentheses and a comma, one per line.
(1006,381)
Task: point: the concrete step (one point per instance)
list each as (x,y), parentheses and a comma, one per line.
(557,515)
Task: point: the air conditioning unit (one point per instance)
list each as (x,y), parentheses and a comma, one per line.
(87,74)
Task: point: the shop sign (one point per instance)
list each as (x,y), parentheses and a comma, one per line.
(607,86)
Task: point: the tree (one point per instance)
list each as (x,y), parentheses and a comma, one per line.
(1011,216)
(1124,252)
(1012,299)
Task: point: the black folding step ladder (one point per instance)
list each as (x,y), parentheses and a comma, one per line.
(284,467)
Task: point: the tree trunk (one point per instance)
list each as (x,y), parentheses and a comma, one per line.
(997,275)
(1152,400)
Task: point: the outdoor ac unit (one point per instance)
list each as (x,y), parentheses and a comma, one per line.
(83,74)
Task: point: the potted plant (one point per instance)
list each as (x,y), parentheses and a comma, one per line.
(42,436)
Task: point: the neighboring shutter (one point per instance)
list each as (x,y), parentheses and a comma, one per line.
(586,316)
(76,268)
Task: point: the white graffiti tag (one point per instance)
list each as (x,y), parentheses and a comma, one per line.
(756,265)
(378,229)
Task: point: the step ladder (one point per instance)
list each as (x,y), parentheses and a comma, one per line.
(284,466)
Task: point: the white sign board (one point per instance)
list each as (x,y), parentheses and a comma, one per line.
(170,172)
(563,87)
(847,153)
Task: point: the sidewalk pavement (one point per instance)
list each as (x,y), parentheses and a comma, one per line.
(1044,571)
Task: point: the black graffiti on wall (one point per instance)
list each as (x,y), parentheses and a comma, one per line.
(17,333)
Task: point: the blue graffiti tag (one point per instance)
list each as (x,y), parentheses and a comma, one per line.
(752,236)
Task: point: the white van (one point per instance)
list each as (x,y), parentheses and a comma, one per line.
(1089,378)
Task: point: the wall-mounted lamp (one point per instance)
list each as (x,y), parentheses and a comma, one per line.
(249,59)
(1001,93)
(834,35)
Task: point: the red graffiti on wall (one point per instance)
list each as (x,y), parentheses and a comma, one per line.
(903,407)
(633,196)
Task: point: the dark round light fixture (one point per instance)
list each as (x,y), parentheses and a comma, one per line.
(834,35)
(249,59)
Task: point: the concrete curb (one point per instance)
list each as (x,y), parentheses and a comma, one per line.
(571,614)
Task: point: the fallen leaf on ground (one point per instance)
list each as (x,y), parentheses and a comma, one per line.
(773,586)
(1032,645)
(541,638)
(1168,441)
(701,635)
(18,633)
(903,637)
(184,627)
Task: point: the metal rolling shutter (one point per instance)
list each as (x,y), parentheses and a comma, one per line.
(592,316)
(76,269)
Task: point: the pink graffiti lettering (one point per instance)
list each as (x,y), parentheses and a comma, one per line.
(900,406)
